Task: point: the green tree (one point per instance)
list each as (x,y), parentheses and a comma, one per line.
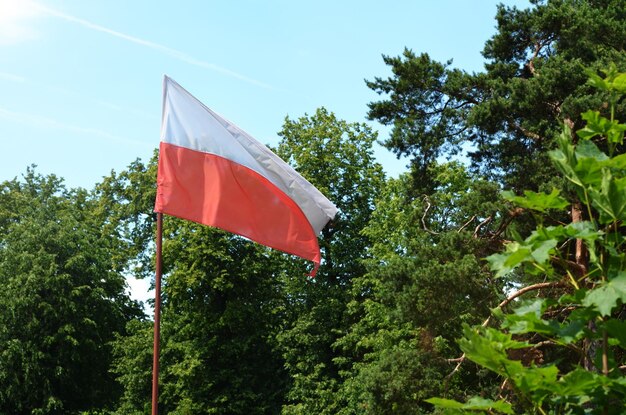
(543,346)
(132,367)
(534,80)
(221,310)
(337,158)
(125,204)
(425,279)
(505,120)
(63,300)
(236,314)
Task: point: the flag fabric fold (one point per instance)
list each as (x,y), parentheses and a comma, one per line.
(212,172)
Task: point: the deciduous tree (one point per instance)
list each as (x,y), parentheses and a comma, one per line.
(63,300)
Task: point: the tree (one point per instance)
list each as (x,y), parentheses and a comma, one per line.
(221,309)
(337,158)
(222,312)
(505,118)
(424,280)
(508,115)
(236,314)
(63,300)
(543,345)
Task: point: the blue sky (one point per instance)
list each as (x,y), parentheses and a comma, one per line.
(81,80)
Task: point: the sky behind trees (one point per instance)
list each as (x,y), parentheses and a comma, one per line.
(81,81)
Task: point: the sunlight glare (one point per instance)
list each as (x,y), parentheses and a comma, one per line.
(13,20)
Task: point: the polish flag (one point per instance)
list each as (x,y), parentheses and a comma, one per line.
(212,172)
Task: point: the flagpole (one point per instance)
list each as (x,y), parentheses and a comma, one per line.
(157,317)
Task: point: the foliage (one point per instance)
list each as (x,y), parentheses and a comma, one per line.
(403,275)
(336,157)
(236,314)
(132,365)
(585,318)
(506,116)
(405,331)
(125,203)
(62,299)
(221,309)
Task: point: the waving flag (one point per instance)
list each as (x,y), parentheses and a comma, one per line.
(212,172)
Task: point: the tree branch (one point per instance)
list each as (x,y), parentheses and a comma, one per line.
(466,224)
(525,131)
(459,360)
(534,287)
(512,215)
(539,45)
(531,61)
(428,206)
(578,269)
(481,224)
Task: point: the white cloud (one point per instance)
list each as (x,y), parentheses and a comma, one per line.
(15,16)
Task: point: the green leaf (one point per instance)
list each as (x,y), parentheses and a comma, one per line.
(589,162)
(579,383)
(527,319)
(596,125)
(564,157)
(487,347)
(537,201)
(538,247)
(617,330)
(541,252)
(506,262)
(588,149)
(475,403)
(446,403)
(537,381)
(597,81)
(605,297)
(571,332)
(610,199)
(582,230)
(618,162)
(588,232)
(619,83)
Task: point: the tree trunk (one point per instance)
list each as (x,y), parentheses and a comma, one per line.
(580,256)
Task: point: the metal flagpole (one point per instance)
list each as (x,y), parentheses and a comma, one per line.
(157,317)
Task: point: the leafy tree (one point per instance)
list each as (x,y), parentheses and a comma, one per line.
(544,343)
(505,118)
(132,366)
(125,203)
(337,158)
(221,308)
(236,314)
(63,300)
(424,281)
(507,115)
(222,312)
